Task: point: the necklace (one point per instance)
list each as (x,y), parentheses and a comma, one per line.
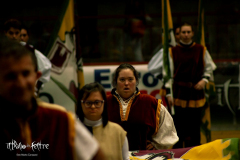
(126,101)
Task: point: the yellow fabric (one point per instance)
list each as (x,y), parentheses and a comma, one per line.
(207,117)
(209,151)
(201,16)
(158,116)
(211,83)
(192,103)
(169,17)
(111,139)
(162,92)
(49,105)
(221,149)
(80,79)
(68,21)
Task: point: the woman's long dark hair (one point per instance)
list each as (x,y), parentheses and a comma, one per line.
(84,94)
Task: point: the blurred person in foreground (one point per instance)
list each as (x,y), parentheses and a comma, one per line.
(12,30)
(92,111)
(30,128)
(147,122)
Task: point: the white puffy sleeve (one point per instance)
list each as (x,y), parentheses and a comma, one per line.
(44,65)
(209,65)
(167,134)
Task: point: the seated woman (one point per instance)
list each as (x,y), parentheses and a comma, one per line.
(92,111)
(147,122)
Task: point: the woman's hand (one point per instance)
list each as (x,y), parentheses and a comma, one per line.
(150,146)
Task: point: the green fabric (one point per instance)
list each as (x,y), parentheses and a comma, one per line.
(232,149)
(165,43)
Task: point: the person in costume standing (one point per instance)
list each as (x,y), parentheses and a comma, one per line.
(147,122)
(191,66)
(92,111)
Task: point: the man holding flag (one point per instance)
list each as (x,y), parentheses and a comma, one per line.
(191,65)
(186,69)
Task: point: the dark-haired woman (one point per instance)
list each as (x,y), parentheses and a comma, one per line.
(147,122)
(92,111)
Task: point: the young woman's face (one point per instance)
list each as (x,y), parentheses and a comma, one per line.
(93,106)
(126,83)
(186,34)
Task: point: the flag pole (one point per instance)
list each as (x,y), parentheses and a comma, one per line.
(171,92)
(167,28)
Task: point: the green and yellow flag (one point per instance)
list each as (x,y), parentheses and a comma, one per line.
(67,74)
(220,149)
(210,87)
(201,24)
(167,38)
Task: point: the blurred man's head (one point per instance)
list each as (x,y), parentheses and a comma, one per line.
(24,34)
(12,29)
(18,73)
(186,33)
(177,34)
(135,27)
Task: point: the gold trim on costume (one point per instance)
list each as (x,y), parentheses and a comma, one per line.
(128,107)
(120,107)
(158,116)
(50,105)
(191,103)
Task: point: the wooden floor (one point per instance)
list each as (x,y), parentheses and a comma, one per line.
(221,135)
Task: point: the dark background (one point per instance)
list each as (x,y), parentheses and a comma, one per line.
(100,24)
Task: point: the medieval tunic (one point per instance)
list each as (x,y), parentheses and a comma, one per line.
(111,138)
(47,132)
(188,71)
(189,64)
(145,120)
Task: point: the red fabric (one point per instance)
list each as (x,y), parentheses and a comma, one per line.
(141,122)
(188,69)
(47,126)
(51,127)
